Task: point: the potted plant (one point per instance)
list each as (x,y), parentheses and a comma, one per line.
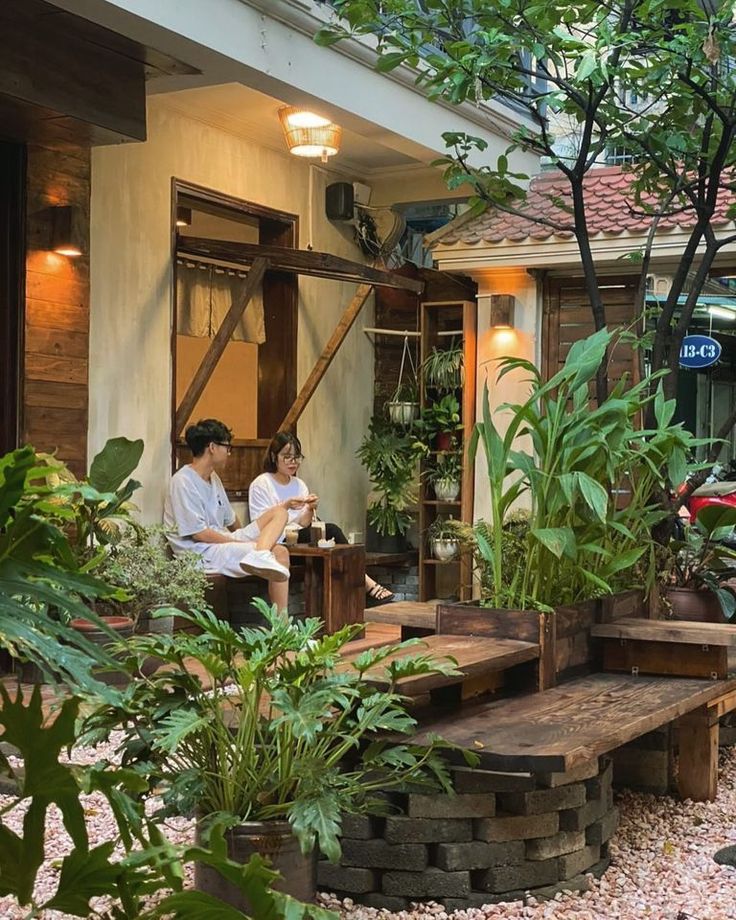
(565,460)
(153,579)
(700,568)
(444,475)
(391,458)
(444,537)
(403,407)
(440,421)
(271,733)
(443,367)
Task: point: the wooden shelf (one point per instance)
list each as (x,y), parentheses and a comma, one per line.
(454,561)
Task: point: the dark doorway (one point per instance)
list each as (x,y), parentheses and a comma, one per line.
(12,287)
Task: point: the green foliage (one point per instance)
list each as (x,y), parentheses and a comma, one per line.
(439,417)
(141,565)
(40,581)
(447,467)
(391,457)
(701,561)
(144,864)
(579,543)
(443,368)
(275,730)
(445,528)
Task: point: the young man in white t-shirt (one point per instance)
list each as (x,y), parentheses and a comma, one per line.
(198,517)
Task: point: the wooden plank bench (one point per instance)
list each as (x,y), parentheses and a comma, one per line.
(666,647)
(416,618)
(475,659)
(556,730)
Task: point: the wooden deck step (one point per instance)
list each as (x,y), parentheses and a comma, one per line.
(412,616)
(682,631)
(474,658)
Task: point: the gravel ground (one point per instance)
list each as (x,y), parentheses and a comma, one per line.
(662,864)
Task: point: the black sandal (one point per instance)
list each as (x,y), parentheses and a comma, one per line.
(377,595)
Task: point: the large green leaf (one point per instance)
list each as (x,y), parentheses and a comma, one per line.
(114,463)
(560,541)
(85,874)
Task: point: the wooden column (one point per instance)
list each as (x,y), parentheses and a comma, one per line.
(219,343)
(698,744)
(325,359)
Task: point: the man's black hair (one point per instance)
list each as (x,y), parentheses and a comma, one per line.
(204,432)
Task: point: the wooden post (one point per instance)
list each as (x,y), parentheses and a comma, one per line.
(698,744)
(328,353)
(218,344)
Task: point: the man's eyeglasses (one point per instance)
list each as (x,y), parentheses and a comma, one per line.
(291,458)
(224,444)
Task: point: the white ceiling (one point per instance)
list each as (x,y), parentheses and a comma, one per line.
(248,113)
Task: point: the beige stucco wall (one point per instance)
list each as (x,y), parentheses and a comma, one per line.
(130,373)
(521,341)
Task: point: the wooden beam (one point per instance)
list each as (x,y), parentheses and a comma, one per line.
(325,359)
(697,776)
(298,261)
(240,301)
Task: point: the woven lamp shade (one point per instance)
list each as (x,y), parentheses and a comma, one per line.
(309,135)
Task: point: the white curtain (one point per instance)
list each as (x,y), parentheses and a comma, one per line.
(204,294)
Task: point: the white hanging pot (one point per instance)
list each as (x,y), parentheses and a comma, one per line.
(444,550)
(446,490)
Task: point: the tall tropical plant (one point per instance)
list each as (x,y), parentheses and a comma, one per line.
(579,543)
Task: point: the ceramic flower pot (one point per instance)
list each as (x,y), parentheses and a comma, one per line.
(445,550)
(446,490)
(402,413)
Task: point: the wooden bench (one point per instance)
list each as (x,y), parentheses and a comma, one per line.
(474,659)
(416,618)
(558,729)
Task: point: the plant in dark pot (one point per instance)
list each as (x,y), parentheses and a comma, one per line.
(391,457)
(440,421)
(270,732)
(701,567)
(444,475)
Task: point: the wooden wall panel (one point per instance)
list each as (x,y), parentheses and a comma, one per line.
(55,384)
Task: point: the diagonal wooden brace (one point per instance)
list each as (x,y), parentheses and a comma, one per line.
(219,342)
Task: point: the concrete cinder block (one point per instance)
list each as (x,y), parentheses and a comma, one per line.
(360,827)
(384,901)
(603,829)
(539,801)
(574,775)
(595,787)
(577,819)
(477,855)
(346,878)
(377,854)
(469,780)
(434,883)
(646,770)
(479,805)
(516,827)
(528,874)
(572,864)
(400,829)
(559,844)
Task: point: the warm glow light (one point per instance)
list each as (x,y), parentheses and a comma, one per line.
(67,230)
(308,134)
(183,216)
(722,313)
(72,251)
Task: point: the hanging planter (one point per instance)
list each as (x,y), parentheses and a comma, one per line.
(403,407)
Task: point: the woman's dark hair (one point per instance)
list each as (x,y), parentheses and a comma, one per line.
(278,443)
(204,432)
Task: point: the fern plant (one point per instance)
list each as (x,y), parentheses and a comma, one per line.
(272,726)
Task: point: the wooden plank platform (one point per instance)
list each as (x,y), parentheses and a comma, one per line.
(681,631)
(473,657)
(415,614)
(559,728)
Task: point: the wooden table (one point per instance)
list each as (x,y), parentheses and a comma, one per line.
(334,583)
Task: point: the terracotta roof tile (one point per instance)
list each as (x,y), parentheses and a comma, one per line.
(609,209)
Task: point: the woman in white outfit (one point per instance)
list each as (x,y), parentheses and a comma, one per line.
(279,487)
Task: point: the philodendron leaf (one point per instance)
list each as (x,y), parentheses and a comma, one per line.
(114,463)
(85,874)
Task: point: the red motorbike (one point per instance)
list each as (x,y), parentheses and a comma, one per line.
(719,489)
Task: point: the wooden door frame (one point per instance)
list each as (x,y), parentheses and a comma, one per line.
(289,237)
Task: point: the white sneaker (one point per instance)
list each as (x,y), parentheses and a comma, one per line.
(263,563)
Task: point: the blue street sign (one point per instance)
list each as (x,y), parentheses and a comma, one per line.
(699,351)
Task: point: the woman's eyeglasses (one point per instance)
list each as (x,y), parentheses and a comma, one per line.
(292,458)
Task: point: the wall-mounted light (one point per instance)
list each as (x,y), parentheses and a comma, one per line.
(308,134)
(67,236)
(183,216)
(502,311)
